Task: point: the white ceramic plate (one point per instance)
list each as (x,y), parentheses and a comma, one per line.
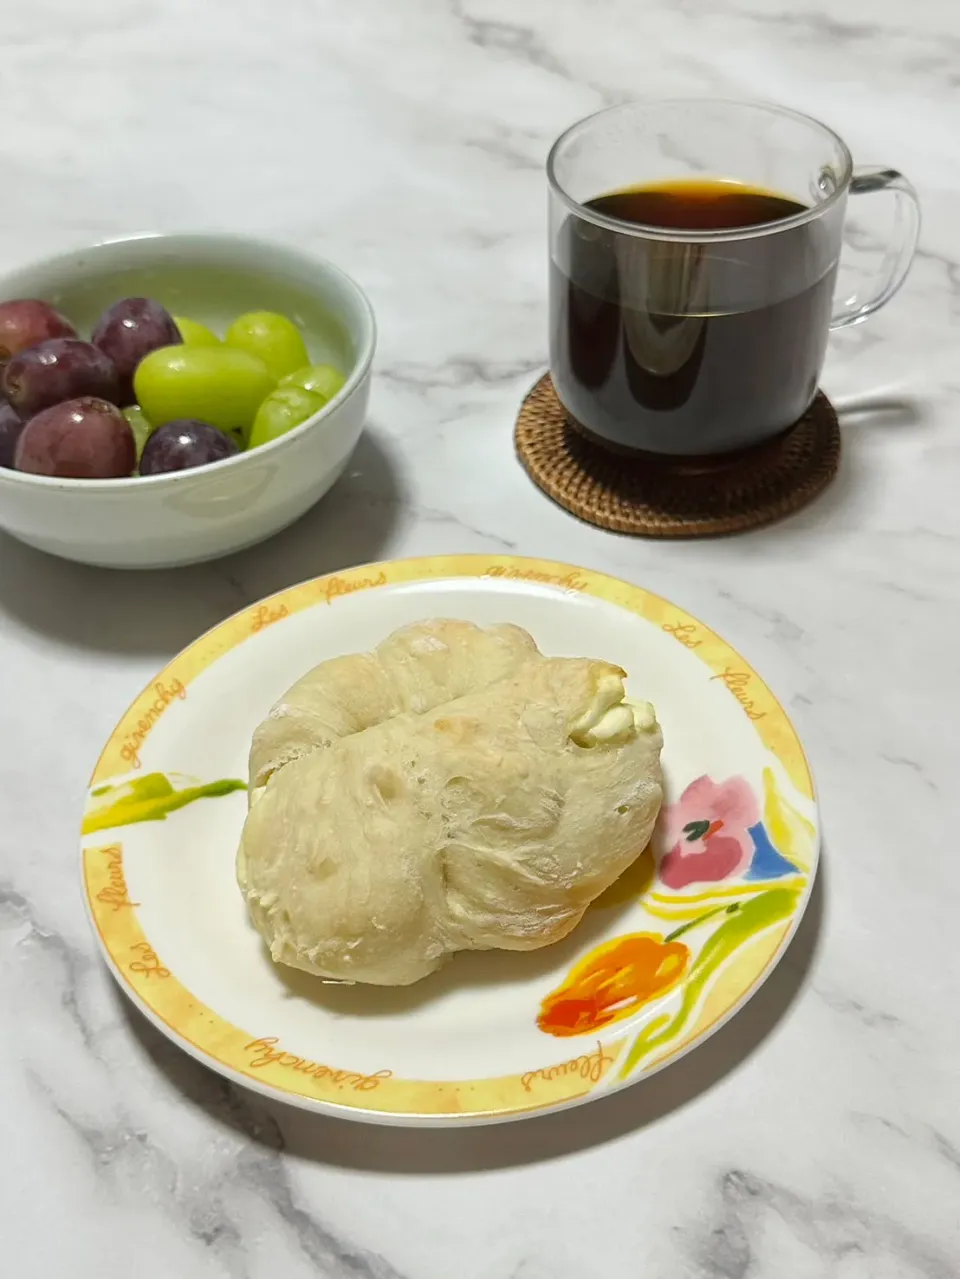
(662,960)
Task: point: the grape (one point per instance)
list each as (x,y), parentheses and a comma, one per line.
(129,330)
(321,379)
(281,411)
(216,384)
(195,334)
(184,443)
(57,370)
(11,425)
(274,338)
(83,439)
(139,425)
(27,321)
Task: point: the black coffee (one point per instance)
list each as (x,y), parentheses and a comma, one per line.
(689,347)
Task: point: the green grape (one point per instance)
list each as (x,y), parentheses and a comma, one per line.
(216,384)
(321,379)
(273,338)
(139,425)
(194,333)
(281,411)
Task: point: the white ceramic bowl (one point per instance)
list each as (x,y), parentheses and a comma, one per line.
(164,520)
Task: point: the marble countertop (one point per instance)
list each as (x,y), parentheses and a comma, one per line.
(818,1134)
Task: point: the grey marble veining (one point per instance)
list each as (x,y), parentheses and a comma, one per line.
(817,1136)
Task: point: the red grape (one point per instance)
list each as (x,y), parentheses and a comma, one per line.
(26,321)
(129,330)
(183,443)
(83,439)
(10,427)
(58,370)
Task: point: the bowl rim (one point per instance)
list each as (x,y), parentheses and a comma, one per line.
(124,483)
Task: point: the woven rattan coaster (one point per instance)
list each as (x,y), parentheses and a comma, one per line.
(676,497)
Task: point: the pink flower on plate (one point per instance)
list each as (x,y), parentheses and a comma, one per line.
(707,832)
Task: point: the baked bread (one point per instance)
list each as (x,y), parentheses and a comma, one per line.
(454,790)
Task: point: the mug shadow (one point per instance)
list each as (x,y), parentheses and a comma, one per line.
(158,611)
(883,409)
(366,1147)
(845,501)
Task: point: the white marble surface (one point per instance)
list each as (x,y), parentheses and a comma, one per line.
(818,1135)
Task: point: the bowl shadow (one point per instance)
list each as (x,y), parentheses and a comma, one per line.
(342,1143)
(156,612)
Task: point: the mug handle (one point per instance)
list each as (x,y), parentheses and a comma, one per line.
(900,250)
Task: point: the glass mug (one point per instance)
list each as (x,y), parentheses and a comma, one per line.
(692,340)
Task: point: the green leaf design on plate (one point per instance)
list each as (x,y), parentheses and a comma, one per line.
(696,830)
(149,799)
(756,914)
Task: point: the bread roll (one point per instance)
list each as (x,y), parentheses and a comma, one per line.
(455,790)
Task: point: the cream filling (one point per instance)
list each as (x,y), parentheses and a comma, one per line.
(611,717)
(619,723)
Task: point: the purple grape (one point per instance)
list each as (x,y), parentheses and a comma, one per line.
(83,439)
(58,370)
(26,321)
(183,443)
(11,425)
(129,330)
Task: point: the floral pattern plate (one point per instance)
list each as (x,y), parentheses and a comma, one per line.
(668,953)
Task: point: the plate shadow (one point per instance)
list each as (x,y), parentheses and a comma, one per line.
(372,1148)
